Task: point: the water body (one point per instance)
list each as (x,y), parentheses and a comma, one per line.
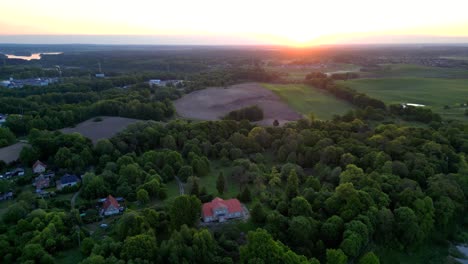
(33,56)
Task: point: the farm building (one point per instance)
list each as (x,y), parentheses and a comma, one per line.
(221,210)
(67,180)
(39,167)
(110,207)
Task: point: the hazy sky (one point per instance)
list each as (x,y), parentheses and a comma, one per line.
(291,22)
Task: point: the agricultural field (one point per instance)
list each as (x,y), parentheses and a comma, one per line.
(12,152)
(101,128)
(435,93)
(298,72)
(414,71)
(305,99)
(215,103)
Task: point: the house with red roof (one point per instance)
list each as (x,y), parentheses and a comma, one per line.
(221,210)
(39,167)
(110,206)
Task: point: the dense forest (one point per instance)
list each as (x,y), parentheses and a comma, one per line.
(318,191)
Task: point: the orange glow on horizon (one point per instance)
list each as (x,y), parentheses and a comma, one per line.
(296,23)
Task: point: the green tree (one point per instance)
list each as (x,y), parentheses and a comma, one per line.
(369,258)
(292,186)
(258,213)
(142,196)
(261,248)
(139,247)
(245,196)
(185,210)
(220,183)
(336,256)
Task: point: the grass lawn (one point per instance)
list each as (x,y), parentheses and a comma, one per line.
(305,99)
(413,71)
(432,92)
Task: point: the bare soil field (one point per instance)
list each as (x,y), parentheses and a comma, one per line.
(11,153)
(214,103)
(107,128)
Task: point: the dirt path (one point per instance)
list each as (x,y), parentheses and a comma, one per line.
(214,103)
(73,199)
(181,185)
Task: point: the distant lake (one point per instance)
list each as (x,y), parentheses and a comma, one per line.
(33,56)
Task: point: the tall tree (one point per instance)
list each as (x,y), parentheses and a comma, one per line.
(220,183)
(185,210)
(292,187)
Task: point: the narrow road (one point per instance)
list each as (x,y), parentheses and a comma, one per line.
(73,199)
(181,185)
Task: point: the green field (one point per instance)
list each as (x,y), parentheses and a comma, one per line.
(305,99)
(432,92)
(298,73)
(413,71)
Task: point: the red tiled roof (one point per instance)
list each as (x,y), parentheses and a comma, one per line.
(37,163)
(110,200)
(233,205)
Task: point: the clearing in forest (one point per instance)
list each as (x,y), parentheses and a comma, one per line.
(106,128)
(215,103)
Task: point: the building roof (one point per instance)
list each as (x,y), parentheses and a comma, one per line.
(37,163)
(110,200)
(68,178)
(232,205)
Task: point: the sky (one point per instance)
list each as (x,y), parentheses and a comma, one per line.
(217,22)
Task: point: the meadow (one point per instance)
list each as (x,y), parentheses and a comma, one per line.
(305,100)
(443,96)
(415,71)
(298,72)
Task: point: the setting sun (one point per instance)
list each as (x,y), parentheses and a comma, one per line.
(294,22)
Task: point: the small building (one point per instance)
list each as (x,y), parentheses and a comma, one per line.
(100,75)
(67,180)
(110,206)
(39,167)
(221,210)
(2,119)
(154,82)
(41,182)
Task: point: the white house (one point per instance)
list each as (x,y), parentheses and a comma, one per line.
(39,167)
(110,206)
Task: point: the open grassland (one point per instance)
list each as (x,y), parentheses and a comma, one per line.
(463,58)
(106,128)
(413,71)
(435,93)
(305,99)
(298,72)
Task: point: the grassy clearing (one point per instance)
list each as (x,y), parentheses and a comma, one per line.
(298,73)
(413,71)
(305,99)
(432,92)
(70,256)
